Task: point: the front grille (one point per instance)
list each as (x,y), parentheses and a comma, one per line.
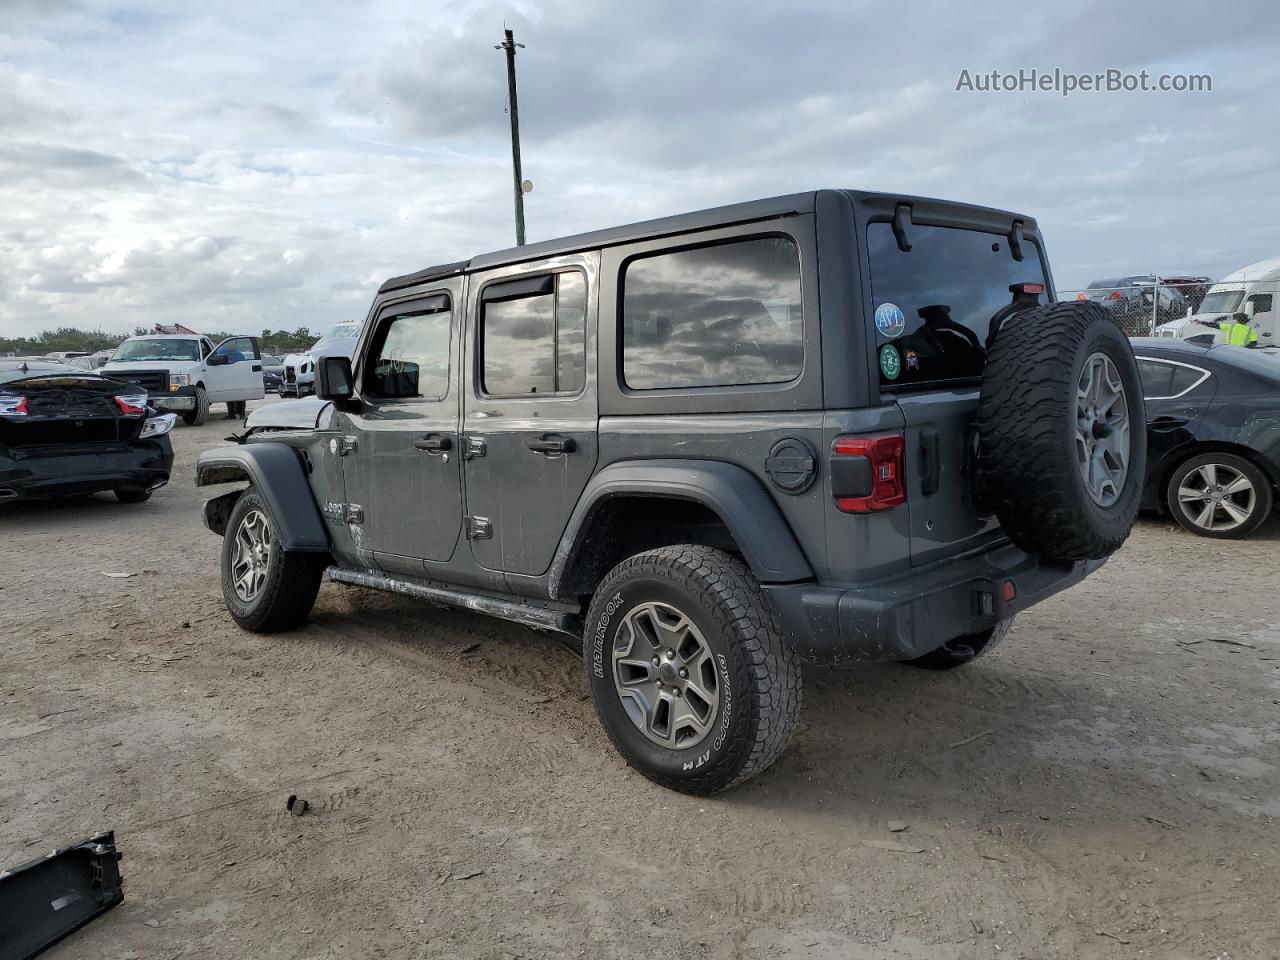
(155,382)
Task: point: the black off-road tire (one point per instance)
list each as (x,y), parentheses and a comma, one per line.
(964,650)
(292,581)
(132,495)
(1027,470)
(758,673)
(197,417)
(1264,497)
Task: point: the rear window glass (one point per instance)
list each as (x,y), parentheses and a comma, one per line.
(934,303)
(723,315)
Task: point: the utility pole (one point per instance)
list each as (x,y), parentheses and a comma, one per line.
(509,45)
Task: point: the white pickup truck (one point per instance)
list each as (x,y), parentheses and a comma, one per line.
(185,374)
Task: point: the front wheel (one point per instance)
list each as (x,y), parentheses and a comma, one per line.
(197,417)
(1219,495)
(688,670)
(266,588)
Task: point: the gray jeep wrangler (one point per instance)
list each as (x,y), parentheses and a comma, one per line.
(833,427)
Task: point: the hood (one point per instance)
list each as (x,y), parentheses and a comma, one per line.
(303,414)
(1193,326)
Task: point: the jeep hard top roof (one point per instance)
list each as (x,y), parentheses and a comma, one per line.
(737,213)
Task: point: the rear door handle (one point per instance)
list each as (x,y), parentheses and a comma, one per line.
(552,445)
(434,444)
(930,462)
(257,368)
(1167,423)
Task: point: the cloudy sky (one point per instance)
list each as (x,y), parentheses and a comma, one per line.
(265,164)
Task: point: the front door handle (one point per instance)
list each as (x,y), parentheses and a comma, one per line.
(257,368)
(551,445)
(434,444)
(1166,423)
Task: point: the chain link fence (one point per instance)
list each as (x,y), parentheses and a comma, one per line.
(1140,304)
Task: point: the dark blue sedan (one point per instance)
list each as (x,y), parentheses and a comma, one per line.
(1213,434)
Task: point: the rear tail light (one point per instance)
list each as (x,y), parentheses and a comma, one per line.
(1115,295)
(866,472)
(11,406)
(132,404)
(1081,296)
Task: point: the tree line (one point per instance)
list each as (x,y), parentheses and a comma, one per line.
(91,341)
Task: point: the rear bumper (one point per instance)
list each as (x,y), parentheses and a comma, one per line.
(909,616)
(38,472)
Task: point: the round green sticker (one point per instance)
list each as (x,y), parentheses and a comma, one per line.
(890,362)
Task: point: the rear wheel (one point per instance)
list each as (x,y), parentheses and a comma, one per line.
(1219,495)
(266,588)
(962,650)
(196,417)
(688,670)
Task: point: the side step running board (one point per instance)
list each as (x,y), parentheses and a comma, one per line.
(560,618)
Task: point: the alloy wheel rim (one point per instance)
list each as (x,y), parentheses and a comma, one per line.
(665,675)
(1102,430)
(1217,497)
(251,556)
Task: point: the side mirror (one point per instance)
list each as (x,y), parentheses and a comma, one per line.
(334,380)
(1250,308)
(217,360)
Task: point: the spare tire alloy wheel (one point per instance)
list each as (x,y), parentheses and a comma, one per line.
(1219,495)
(1102,429)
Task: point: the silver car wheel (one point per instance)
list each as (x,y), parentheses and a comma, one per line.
(1217,497)
(1102,429)
(665,675)
(251,555)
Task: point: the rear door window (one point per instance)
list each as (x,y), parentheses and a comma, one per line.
(722,315)
(933,304)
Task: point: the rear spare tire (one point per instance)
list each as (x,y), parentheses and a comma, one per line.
(1062,443)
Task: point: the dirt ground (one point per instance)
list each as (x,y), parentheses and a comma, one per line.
(1107,784)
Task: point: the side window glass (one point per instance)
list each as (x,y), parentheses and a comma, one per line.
(571,332)
(1155,377)
(723,315)
(1261,302)
(1182,379)
(535,342)
(409,358)
(205,348)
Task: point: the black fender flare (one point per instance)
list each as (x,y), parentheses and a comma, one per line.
(280,478)
(730,491)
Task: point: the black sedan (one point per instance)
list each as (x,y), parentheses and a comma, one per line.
(70,431)
(1213,433)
